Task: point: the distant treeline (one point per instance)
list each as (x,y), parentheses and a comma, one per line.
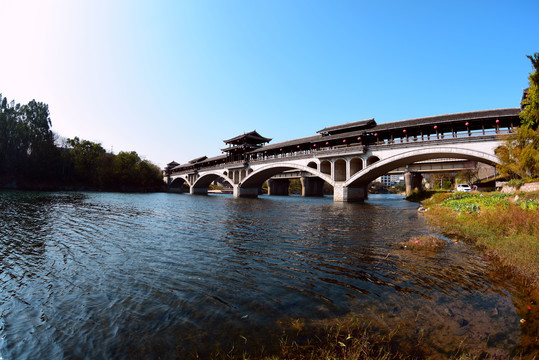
(33,157)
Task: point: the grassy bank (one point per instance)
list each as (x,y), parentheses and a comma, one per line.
(506,226)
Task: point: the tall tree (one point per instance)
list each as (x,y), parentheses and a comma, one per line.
(530,103)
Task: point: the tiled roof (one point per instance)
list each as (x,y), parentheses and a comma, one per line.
(447,118)
(357,125)
(253,135)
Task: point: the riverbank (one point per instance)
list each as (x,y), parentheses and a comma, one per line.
(505,225)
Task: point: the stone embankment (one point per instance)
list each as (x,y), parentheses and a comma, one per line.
(528,187)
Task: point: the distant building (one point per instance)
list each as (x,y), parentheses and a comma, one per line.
(390,180)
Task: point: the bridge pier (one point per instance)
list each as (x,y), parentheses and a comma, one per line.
(413,182)
(312,186)
(278,186)
(245,192)
(198,191)
(349,194)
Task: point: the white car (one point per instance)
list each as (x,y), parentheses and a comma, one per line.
(464,188)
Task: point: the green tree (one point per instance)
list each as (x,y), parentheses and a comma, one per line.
(30,155)
(443,181)
(86,157)
(519,156)
(125,168)
(530,103)
(150,175)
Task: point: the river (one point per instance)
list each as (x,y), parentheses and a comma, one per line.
(110,275)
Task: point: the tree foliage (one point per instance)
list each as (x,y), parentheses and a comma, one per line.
(530,113)
(519,156)
(30,158)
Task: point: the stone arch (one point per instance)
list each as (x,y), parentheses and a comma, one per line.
(325,167)
(382,167)
(178,184)
(259,176)
(356,164)
(313,165)
(372,159)
(340,170)
(205,180)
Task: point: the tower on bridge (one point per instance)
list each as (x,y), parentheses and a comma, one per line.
(241,145)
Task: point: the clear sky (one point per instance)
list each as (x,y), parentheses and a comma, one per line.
(172,79)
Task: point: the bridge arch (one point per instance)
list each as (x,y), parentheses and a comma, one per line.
(208,177)
(257,177)
(381,167)
(178,182)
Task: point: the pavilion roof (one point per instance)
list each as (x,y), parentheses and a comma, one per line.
(246,147)
(252,136)
(172,164)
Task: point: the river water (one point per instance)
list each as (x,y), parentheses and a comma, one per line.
(109,275)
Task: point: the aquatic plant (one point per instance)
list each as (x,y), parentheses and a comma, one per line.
(428,243)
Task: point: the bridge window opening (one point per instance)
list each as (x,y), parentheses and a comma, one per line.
(312,165)
(356,164)
(340,170)
(325,167)
(372,160)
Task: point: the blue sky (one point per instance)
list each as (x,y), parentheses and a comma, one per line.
(172,79)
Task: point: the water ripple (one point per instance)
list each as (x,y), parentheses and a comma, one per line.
(91,275)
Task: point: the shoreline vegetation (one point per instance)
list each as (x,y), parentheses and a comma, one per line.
(504,225)
(32,157)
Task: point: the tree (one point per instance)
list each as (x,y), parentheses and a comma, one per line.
(126,168)
(32,156)
(468,176)
(530,103)
(86,156)
(519,156)
(441,180)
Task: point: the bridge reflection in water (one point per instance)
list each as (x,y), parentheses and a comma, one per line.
(351,155)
